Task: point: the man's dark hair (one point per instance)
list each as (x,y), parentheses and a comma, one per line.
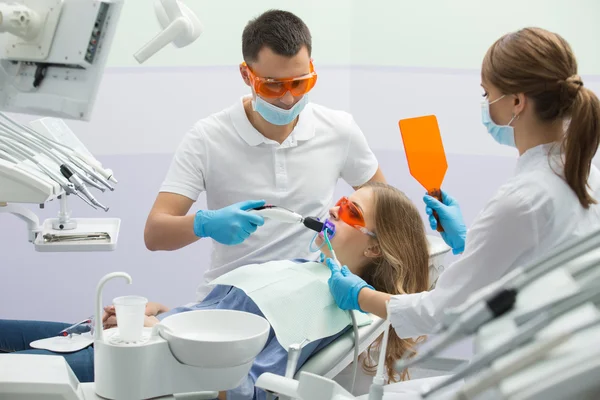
(281,31)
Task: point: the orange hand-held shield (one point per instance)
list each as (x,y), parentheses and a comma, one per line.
(425,154)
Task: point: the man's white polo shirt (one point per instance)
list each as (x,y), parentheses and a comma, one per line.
(226,157)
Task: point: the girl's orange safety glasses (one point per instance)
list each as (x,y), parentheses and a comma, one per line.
(352,215)
(275,88)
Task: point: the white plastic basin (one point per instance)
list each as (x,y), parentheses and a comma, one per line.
(215,338)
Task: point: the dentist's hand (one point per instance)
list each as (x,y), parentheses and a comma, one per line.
(451,219)
(345,286)
(230,225)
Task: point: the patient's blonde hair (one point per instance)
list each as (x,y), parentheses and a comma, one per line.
(402,267)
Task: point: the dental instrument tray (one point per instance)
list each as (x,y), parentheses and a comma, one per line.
(90,234)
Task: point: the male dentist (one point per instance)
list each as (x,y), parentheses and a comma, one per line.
(273,145)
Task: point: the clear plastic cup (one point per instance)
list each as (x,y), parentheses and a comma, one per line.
(130,312)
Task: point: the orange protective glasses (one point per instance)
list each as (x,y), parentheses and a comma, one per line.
(352,215)
(276,88)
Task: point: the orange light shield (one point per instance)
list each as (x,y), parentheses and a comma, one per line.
(276,88)
(425,154)
(352,215)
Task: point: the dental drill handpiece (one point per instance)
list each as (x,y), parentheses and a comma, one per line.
(79,185)
(282,214)
(313,223)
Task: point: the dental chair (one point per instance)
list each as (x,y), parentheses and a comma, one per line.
(336,357)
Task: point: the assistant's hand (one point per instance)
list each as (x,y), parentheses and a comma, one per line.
(345,286)
(451,219)
(230,225)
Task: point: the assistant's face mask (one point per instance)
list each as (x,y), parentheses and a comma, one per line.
(503,134)
(276,115)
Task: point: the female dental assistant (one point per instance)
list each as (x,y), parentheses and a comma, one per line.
(531,90)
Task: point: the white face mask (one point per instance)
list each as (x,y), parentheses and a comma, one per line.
(503,134)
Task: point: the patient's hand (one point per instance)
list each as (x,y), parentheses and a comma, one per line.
(153,308)
(150,321)
(109,319)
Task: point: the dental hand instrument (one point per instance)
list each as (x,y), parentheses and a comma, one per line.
(77,237)
(79,185)
(58,152)
(18,148)
(68,331)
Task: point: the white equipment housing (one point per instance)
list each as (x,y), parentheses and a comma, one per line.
(56,70)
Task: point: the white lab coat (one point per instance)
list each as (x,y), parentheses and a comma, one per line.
(532,213)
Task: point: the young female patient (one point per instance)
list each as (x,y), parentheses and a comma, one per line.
(379,236)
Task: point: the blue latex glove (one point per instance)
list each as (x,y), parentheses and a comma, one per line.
(345,286)
(230,225)
(455,230)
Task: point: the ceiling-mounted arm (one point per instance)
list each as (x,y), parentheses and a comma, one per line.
(180,27)
(20,21)
(171,32)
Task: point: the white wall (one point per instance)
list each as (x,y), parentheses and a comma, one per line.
(427,33)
